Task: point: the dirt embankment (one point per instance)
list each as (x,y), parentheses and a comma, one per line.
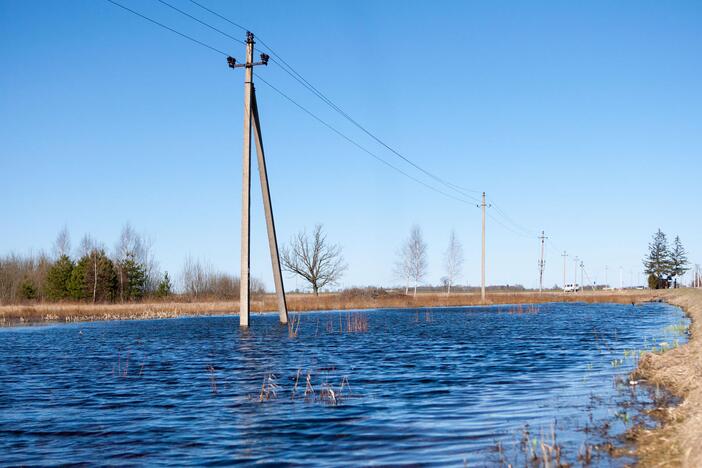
(66,312)
(679,441)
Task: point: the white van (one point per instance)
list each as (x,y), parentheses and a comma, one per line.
(571,287)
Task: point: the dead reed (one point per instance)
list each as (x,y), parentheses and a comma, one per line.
(293,325)
(213,379)
(324,392)
(81,312)
(269,388)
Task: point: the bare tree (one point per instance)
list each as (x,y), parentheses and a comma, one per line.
(453,261)
(22,277)
(129,245)
(62,244)
(195,276)
(153,272)
(200,279)
(314,259)
(412,264)
(403,267)
(140,248)
(87,245)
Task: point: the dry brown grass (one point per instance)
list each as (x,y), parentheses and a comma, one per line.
(679,441)
(80,312)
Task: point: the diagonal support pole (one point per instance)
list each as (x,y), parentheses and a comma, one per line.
(268,209)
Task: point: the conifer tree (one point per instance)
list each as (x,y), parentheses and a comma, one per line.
(94,278)
(658,263)
(58,278)
(164,286)
(678,259)
(136,278)
(76,283)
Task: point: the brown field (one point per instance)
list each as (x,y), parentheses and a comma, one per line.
(80,312)
(679,441)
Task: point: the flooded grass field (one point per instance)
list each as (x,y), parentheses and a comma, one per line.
(476,386)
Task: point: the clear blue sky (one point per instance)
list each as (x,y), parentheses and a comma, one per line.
(583,119)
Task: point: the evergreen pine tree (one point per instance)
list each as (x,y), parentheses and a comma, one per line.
(58,278)
(678,259)
(657,262)
(136,278)
(164,286)
(94,278)
(76,283)
(28,290)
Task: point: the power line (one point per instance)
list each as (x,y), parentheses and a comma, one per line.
(331,104)
(509,220)
(374,155)
(356,144)
(293,73)
(517,233)
(222,17)
(285,66)
(201,22)
(168,28)
(280,92)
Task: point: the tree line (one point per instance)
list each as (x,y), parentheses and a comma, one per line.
(130,272)
(665,264)
(89,274)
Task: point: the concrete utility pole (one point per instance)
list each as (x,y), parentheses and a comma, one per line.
(542,263)
(575,273)
(565,256)
(251,113)
(582,275)
(483,205)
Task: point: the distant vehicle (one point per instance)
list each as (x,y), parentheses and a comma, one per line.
(571,287)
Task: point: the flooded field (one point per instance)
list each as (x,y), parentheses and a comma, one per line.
(476,386)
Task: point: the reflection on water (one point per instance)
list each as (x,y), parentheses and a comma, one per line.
(439,386)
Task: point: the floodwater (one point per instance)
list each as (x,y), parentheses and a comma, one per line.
(475,386)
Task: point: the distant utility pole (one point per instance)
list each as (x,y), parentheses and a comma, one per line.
(483,205)
(251,113)
(582,275)
(542,263)
(606,271)
(575,272)
(565,256)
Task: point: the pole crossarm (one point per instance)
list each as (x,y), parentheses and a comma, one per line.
(231,61)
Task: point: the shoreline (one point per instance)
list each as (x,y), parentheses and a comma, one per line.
(678,440)
(11,315)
